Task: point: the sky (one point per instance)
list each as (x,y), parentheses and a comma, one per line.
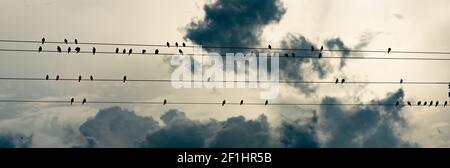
(403,25)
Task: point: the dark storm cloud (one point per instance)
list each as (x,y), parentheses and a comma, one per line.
(117,127)
(14,140)
(294,134)
(338,44)
(235,22)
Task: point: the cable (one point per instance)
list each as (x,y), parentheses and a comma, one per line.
(229,81)
(226,47)
(224,55)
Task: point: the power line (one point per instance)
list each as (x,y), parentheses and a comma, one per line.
(208,103)
(224,55)
(227,47)
(229,81)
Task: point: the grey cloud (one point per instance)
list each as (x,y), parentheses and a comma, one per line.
(337,43)
(15,140)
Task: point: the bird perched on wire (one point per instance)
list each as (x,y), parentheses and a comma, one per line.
(68,50)
(76,41)
(93,50)
(342,81)
(397,103)
(242,102)
(58,48)
(425,103)
(156,51)
(84,101)
(320,55)
(321,48)
(431,103)
(92,78)
(437,104)
(184,44)
(79,78)
(267,102)
(72,100)
(167,44)
(337,80)
(445,103)
(223,103)
(144,51)
(401,81)
(40,49)
(176,44)
(389,50)
(77,49)
(270,47)
(57,77)
(117,50)
(293,54)
(130,51)
(124,51)
(418,103)
(312,48)
(43,40)
(165,102)
(65,41)
(180,51)
(286,54)
(46,77)
(124,78)
(409,103)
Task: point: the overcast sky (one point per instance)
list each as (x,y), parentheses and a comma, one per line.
(403,25)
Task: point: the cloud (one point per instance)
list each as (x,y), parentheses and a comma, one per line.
(299,135)
(15,140)
(117,127)
(337,43)
(235,22)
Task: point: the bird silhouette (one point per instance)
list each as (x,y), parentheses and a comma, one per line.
(130,51)
(40,49)
(409,103)
(337,80)
(437,104)
(270,47)
(343,80)
(184,44)
(92,78)
(68,50)
(46,77)
(156,51)
(431,103)
(65,41)
(267,102)
(71,101)
(286,54)
(93,50)
(124,51)
(321,48)
(418,103)
(401,81)
(77,49)
(445,103)
(124,78)
(76,41)
(144,51)
(389,50)
(320,55)
(293,54)
(84,101)
(57,77)
(165,102)
(397,103)
(58,48)
(79,78)
(223,102)
(180,51)
(117,50)
(167,44)
(425,103)
(242,102)
(176,44)
(43,40)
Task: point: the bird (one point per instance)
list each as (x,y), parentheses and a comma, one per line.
(286,54)
(431,103)
(343,80)
(46,77)
(40,49)
(321,48)
(418,103)
(270,47)
(124,51)
(144,51)
(409,103)
(57,77)
(437,104)
(71,101)
(65,41)
(76,41)
(84,101)
(223,102)
(389,50)
(320,55)
(58,48)
(79,78)
(124,78)
(184,44)
(337,80)
(267,102)
(401,81)
(180,51)
(93,50)
(293,54)
(156,51)
(117,50)
(397,103)
(425,103)
(68,50)
(242,102)
(312,48)
(77,49)
(165,102)
(445,103)
(92,78)
(176,44)
(130,51)
(43,40)
(167,44)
